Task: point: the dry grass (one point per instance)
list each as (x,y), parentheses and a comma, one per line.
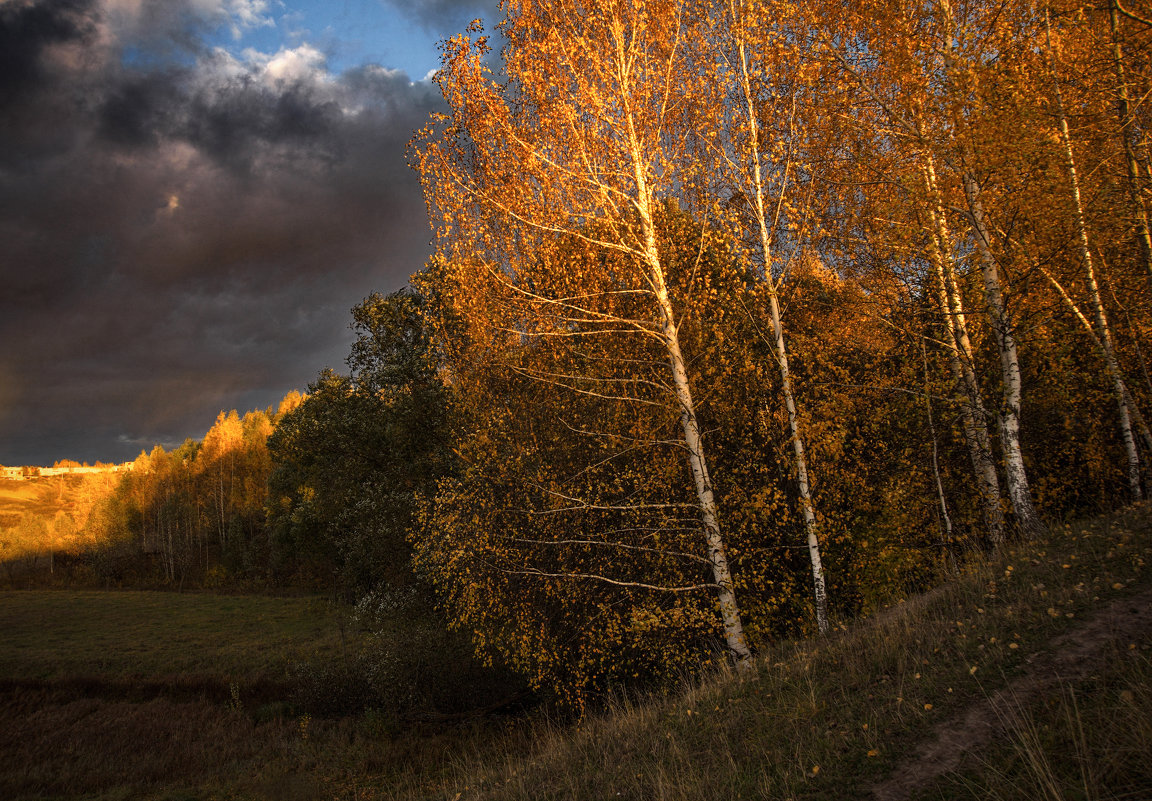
(1089,740)
(830,719)
(820,719)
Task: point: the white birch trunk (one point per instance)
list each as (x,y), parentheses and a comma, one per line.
(1137,417)
(1139,210)
(1008,417)
(698,463)
(730,618)
(945,518)
(974,416)
(807,508)
(1103,332)
(1009,413)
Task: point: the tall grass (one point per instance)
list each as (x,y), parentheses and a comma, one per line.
(1090,740)
(831,718)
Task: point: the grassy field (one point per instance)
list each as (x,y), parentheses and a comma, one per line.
(138,636)
(132,694)
(118,694)
(149,695)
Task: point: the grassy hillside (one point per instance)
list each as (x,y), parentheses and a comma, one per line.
(39,515)
(1029,676)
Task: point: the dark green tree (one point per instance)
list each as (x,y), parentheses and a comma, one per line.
(350,461)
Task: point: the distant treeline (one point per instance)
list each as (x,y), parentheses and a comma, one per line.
(194,515)
(316,493)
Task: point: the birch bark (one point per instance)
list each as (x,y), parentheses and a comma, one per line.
(1104,333)
(697,460)
(1011,384)
(1008,415)
(1123,112)
(974,415)
(779,347)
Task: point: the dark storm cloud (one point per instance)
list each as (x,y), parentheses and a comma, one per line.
(26,31)
(183,230)
(448,16)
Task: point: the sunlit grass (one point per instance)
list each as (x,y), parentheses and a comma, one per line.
(43,515)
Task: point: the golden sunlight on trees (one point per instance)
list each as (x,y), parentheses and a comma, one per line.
(581,149)
(721,285)
(743,319)
(192,516)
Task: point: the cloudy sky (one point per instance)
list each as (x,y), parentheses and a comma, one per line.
(193,194)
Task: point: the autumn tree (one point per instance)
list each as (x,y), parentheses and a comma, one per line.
(762,86)
(570,529)
(895,127)
(582,144)
(1101,330)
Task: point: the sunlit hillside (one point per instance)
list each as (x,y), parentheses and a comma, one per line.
(40,515)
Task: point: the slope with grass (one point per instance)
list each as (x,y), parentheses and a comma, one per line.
(39,516)
(1033,668)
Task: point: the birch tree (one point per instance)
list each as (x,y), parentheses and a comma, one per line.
(880,51)
(1125,133)
(582,144)
(760,73)
(961,82)
(1100,317)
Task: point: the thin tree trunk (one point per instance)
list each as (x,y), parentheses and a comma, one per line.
(1103,331)
(820,591)
(945,518)
(1009,413)
(1008,416)
(1137,417)
(1123,112)
(697,461)
(1145,435)
(732,623)
(807,508)
(974,415)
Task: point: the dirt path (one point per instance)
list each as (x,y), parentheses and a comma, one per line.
(1070,657)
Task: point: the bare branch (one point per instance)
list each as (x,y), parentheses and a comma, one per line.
(1130,15)
(606,580)
(620,545)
